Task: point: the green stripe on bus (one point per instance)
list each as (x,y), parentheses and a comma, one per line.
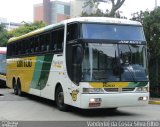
(37,71)
(137,84)
(45,72)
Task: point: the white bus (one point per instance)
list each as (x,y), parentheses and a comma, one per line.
(87,62)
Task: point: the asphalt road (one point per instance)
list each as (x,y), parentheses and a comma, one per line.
(32,108)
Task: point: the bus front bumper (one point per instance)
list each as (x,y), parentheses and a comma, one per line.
(113,100)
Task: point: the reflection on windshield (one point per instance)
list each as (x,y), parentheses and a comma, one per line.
(114,62)
(112,32)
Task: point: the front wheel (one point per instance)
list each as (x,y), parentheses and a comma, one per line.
(60,99)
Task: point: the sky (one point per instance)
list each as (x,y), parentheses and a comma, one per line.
(22,10)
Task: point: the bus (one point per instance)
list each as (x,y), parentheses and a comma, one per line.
(85,62)
(3,51)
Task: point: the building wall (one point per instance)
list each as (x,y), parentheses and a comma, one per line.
(59,11)
(47,11)
(76,8)
(38,12)
(61,17)
(51,11)
(3,20)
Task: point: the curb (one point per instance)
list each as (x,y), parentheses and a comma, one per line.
(154,102)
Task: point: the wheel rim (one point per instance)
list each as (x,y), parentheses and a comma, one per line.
(15,89)
(19,91)
(60,99)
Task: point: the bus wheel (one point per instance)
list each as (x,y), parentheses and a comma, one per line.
(19,91)
(15,88)
(60,99)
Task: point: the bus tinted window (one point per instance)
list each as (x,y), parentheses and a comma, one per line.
(57,39)
(60,38)
(72,31)
(112,32)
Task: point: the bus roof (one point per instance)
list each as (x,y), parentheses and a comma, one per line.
(79,19)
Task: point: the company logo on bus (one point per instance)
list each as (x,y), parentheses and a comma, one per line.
(24,63)
(105,85)
(130,42)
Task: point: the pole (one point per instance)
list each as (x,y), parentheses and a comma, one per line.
(155,3)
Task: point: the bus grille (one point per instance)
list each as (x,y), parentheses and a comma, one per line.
(119,89)
(128,89)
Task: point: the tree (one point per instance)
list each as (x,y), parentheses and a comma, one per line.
(138,16)
(26,28)
(151,25)
(3,35)
(115,5)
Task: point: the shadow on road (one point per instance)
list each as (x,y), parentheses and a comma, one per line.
(81,112)
(101,113)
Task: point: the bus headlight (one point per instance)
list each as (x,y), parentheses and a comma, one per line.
(142,89)
(93,90)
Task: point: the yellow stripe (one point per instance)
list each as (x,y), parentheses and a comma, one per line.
(24,73)
(109,84)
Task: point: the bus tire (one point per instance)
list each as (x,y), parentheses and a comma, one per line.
(15,88)
(60,99)
(19,90)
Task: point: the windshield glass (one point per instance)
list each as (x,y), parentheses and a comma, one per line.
(112,32)
(114,62)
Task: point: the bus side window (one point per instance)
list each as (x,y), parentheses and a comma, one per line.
(48,41)
(32,45)
(19,48)
(43,42)
(27,46)
(60,38)
(52,43)
(22,47)
(37,49)
(72,31)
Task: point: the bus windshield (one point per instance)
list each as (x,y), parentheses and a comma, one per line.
(114,62)
(112,32)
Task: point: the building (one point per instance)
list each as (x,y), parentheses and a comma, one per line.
(9,25)
(3,20)
(51,11)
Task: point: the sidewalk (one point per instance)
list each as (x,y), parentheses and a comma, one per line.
(154,101)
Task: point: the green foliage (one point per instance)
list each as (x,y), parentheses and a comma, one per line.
(3,35)
(151,25)
(26,28)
